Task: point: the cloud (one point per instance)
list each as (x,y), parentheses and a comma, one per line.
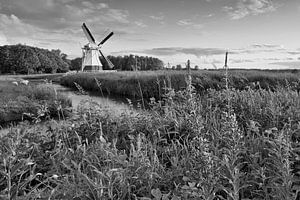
(98,6)
(141,24)
(14,27)
(267,46)
(294,52)
(292,64)
(157,17)
(260,48)
(15,30)
(3,39)
(57,23)
(189,23)
(241,60)
(245,8)
(63,14)
(185,22)
(178,50)
(209,15)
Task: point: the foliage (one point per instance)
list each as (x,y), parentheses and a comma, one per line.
(22,59)
(125,63)
(76,64)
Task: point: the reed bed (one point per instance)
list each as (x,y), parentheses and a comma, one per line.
(152,83)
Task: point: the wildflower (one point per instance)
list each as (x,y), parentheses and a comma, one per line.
(30,163)
(54,176)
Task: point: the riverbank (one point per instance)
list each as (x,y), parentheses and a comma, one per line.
(31,102)
(146,84)
(55,76)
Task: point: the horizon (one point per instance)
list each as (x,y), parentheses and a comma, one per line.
(260,34)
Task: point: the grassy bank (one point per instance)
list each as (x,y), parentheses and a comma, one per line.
(152,83)
(228,144)
(19,102)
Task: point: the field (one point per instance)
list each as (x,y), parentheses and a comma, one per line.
(208,144)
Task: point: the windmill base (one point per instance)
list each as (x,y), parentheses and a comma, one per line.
(92,68)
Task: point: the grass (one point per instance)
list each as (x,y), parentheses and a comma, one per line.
(32,76)
(226,144)
(22,102)
(149,84)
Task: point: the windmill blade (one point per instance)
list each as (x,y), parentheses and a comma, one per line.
(110,65)
(88,34)
(106,38)
(214,65)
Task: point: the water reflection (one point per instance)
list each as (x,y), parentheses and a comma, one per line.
(115,105)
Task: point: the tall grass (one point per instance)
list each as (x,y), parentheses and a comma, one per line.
(152,82)
(185,147)
(30,102)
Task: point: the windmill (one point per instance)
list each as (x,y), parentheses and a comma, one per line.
(91,52)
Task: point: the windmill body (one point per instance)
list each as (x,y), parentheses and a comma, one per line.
(91,52)
(91,61)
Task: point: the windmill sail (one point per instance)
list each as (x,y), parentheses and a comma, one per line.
(106,38)
(88,34)
(91,52)
(110,65)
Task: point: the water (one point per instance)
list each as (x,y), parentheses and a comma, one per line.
(116,105)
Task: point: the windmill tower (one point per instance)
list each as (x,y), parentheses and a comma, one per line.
(91,52)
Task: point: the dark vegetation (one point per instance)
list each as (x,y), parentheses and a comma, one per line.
(22,59)
(30,102)
(125,63)
(224,144)
(151,84)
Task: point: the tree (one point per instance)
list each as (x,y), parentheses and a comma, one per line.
(28,61)
(178,67)
(188,65)
(76,64)
(24,59)
(125,63)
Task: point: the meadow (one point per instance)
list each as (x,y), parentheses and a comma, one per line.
(224,143)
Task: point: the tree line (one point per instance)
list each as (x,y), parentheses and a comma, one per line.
(23,59)
(125,63)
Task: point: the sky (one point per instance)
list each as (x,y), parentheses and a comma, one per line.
(257,33)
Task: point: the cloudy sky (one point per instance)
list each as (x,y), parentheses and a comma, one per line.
(257,33)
